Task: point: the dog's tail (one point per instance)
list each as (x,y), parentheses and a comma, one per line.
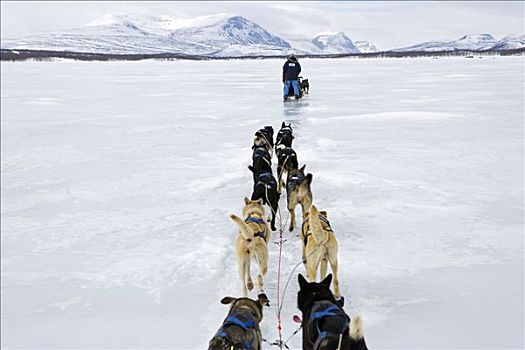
(245,230)
(356,328)
(315,224)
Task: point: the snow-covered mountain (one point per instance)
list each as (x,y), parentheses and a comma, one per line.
(214,35)
(510,42)
(474,42)
(233,34)
(220,35)
(365,46)
(335,43)
(110,34)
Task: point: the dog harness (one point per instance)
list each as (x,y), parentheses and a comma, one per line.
(259,221)
(326,227)
(244,325)
(266,178)
(327,309)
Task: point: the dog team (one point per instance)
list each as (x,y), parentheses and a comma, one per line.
(325,325)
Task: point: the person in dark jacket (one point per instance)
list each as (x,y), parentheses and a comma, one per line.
(291,71)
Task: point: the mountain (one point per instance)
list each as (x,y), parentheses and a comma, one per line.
(473,42)
(365,46)
(337,43)
(110,34)
(220,35)
(334,43)
(510,42)
(233,34)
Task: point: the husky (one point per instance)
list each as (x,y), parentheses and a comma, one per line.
(240,329)
(252,243)
(284,138)
(287,161)
(264,137)
(261,162)
(319,246)
(265,188)
(304,85)
(326,326)
(298,191)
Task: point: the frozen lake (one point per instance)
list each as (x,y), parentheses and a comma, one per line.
(118,179)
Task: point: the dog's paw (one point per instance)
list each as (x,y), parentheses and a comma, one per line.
(249,285)
(291,228)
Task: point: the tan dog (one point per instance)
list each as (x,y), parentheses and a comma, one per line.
(319,246)
(252,242)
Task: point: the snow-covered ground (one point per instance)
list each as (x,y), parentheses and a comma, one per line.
(118,179)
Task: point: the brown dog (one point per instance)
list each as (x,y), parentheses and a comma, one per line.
(240,329)
(319,246)
(252,243)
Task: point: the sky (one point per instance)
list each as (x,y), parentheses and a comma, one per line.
(389,24)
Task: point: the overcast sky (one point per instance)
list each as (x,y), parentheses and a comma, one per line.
(387,24)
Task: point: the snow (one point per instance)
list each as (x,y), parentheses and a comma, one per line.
(470,42)
(118,179)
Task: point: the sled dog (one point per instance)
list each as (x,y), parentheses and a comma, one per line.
(284,138)
(264,137)
(265,188)
(298,191)
(240,329)
(305,86)
(252,243)
(326,326)
(261,162)
(319,246)
(287,161)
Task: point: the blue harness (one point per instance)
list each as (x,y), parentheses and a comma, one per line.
(331,311)
(245,325)
(258,221)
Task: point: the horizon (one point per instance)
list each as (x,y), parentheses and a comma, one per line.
(309,19)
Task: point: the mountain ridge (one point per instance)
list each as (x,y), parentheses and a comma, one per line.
(223,35)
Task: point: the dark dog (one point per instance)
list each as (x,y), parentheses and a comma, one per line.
(304,85)
(287,161)
(284,138)
(326,326)
(240,329)
(265,188)
(264,137)
(261,162)
(298,191)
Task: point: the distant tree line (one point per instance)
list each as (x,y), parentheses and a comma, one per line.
(43,55)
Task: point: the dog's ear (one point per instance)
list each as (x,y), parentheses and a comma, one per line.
(302,168)
(262,299)
(251,168)
(327,281)
(309,178)
(283,125)
(303,283)
(246,201)
(227,300)
(260,201)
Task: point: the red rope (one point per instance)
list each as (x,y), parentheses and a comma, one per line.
(279,323)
